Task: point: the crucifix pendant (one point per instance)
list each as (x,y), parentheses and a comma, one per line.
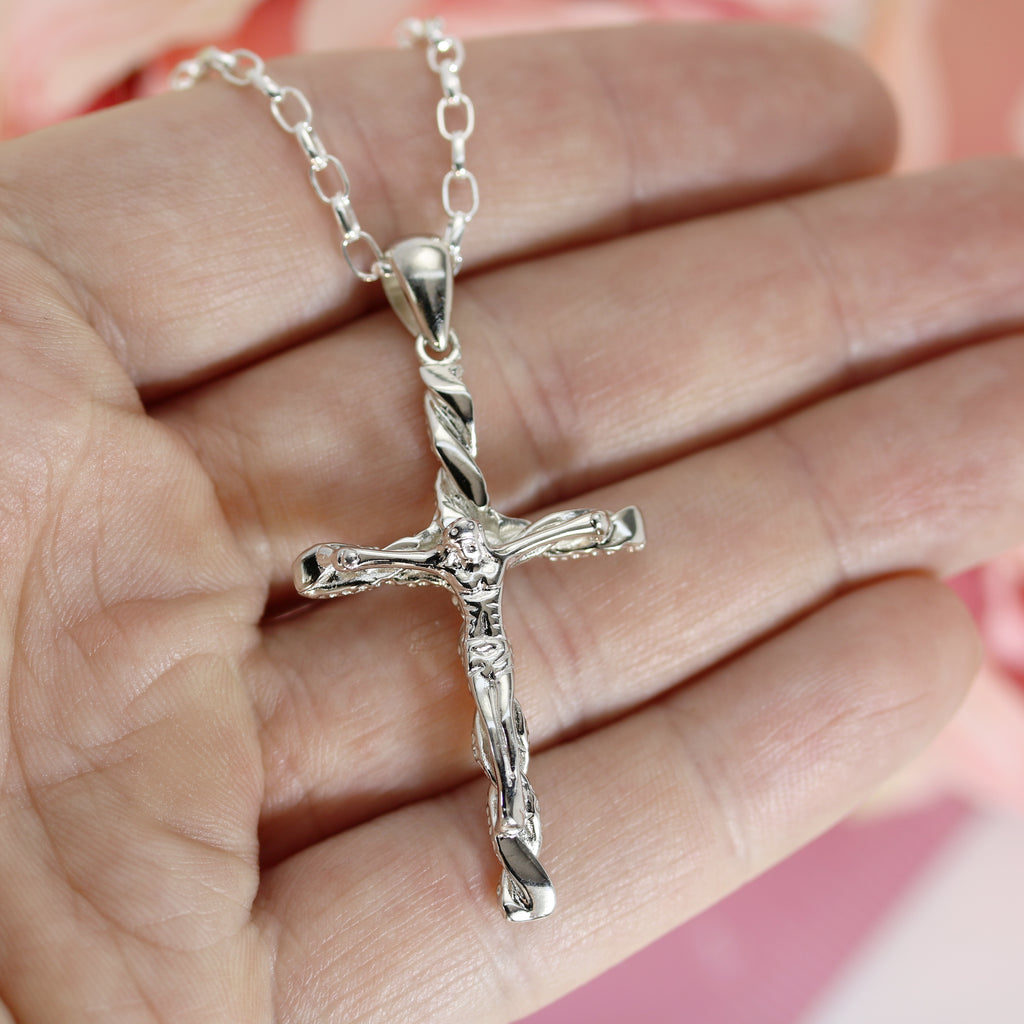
(467,548)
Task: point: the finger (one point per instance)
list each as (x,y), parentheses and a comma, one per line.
(647,821)
(682,337)
(363,701)
(195,245)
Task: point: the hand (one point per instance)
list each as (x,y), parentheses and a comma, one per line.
(677,294)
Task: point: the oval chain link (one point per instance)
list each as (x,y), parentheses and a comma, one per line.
(292,111)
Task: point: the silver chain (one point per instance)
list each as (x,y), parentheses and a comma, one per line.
(327,175)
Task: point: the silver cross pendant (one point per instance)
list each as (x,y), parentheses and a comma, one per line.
(467,548)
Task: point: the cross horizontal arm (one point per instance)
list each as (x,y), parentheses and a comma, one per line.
(330,570)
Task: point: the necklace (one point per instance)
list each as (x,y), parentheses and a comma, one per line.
(469,545)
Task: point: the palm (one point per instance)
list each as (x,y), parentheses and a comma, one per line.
(133,766)
(215,813)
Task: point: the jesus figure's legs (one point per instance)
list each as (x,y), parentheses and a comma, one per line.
(499,742)
(501,735)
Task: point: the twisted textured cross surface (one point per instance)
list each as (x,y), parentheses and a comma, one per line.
(467,548)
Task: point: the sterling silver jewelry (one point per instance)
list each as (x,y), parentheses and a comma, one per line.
(469,545)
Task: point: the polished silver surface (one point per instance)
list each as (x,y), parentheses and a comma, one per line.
(418,287)
(467,548)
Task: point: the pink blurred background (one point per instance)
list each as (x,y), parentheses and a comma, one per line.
(777,951)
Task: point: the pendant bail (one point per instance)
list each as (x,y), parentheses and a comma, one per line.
(418,285)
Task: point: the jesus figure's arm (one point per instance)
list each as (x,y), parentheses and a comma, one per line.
(330,570)
(574,530)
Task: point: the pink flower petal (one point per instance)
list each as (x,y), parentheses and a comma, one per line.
(58,55)
(327,24)
(1002,612)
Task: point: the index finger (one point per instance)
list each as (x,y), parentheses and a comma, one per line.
(195,244)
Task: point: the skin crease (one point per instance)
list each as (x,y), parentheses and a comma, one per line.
(809,382)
